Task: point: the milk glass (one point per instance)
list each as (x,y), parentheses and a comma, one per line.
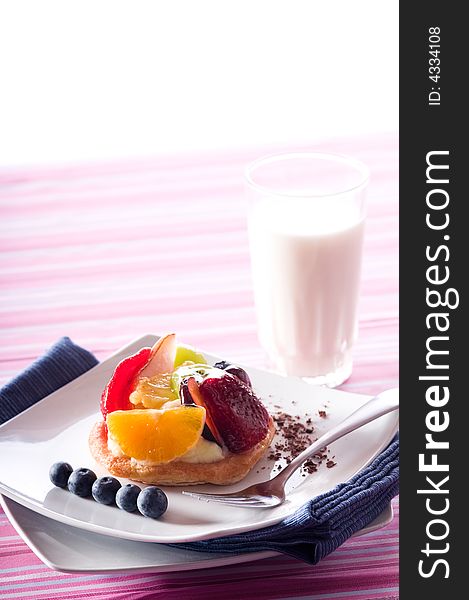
(306,222)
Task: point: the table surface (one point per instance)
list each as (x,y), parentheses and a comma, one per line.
(106,252)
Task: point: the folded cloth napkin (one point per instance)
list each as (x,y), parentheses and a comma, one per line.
(312,532)
(61,364)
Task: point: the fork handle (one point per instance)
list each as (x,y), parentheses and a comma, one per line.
(378,406)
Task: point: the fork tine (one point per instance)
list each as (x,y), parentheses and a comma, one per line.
(242,504)
(228,500)
(233,502)
(219,497)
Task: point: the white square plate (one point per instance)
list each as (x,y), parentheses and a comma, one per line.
(57,429)
(72,550)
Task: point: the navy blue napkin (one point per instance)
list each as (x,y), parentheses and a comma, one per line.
(62,363)
(315,530)
(325,522)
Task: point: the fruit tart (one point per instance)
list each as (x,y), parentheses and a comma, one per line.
(169,418)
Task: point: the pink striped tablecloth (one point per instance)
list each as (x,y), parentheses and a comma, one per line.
(106,252)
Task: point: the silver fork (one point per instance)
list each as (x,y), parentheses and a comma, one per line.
(267,494)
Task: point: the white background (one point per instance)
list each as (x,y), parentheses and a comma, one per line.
(98,79)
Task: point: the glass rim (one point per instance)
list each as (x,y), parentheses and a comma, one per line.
(359,166)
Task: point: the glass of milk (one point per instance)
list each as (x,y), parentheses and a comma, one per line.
(306,222)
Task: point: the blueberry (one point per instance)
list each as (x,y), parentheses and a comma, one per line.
(221,364)
(152,502)
(208,435)
(126,497)
(59,474)
(185,394)
(234,370)
(81,481)
(104,490)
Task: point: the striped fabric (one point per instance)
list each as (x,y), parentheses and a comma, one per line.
(106,252)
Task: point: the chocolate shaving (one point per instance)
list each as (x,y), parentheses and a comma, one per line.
(295,437)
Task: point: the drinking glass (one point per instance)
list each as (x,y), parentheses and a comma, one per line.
(306,222)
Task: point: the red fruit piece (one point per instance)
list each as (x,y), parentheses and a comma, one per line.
(116,393)
(197,398)
(239,416)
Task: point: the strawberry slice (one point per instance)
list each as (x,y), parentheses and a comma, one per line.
(235,411)
(148,362)
(116,393)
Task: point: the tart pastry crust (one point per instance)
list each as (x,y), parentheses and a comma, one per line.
(230,469)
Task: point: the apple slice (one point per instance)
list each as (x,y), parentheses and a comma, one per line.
(162,357)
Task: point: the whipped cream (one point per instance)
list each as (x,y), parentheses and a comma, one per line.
(114,447)
(203,452)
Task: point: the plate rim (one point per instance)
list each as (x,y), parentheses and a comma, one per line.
(38,507)
(207,563)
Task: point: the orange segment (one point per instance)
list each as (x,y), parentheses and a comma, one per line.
(158,436)
(153,392)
